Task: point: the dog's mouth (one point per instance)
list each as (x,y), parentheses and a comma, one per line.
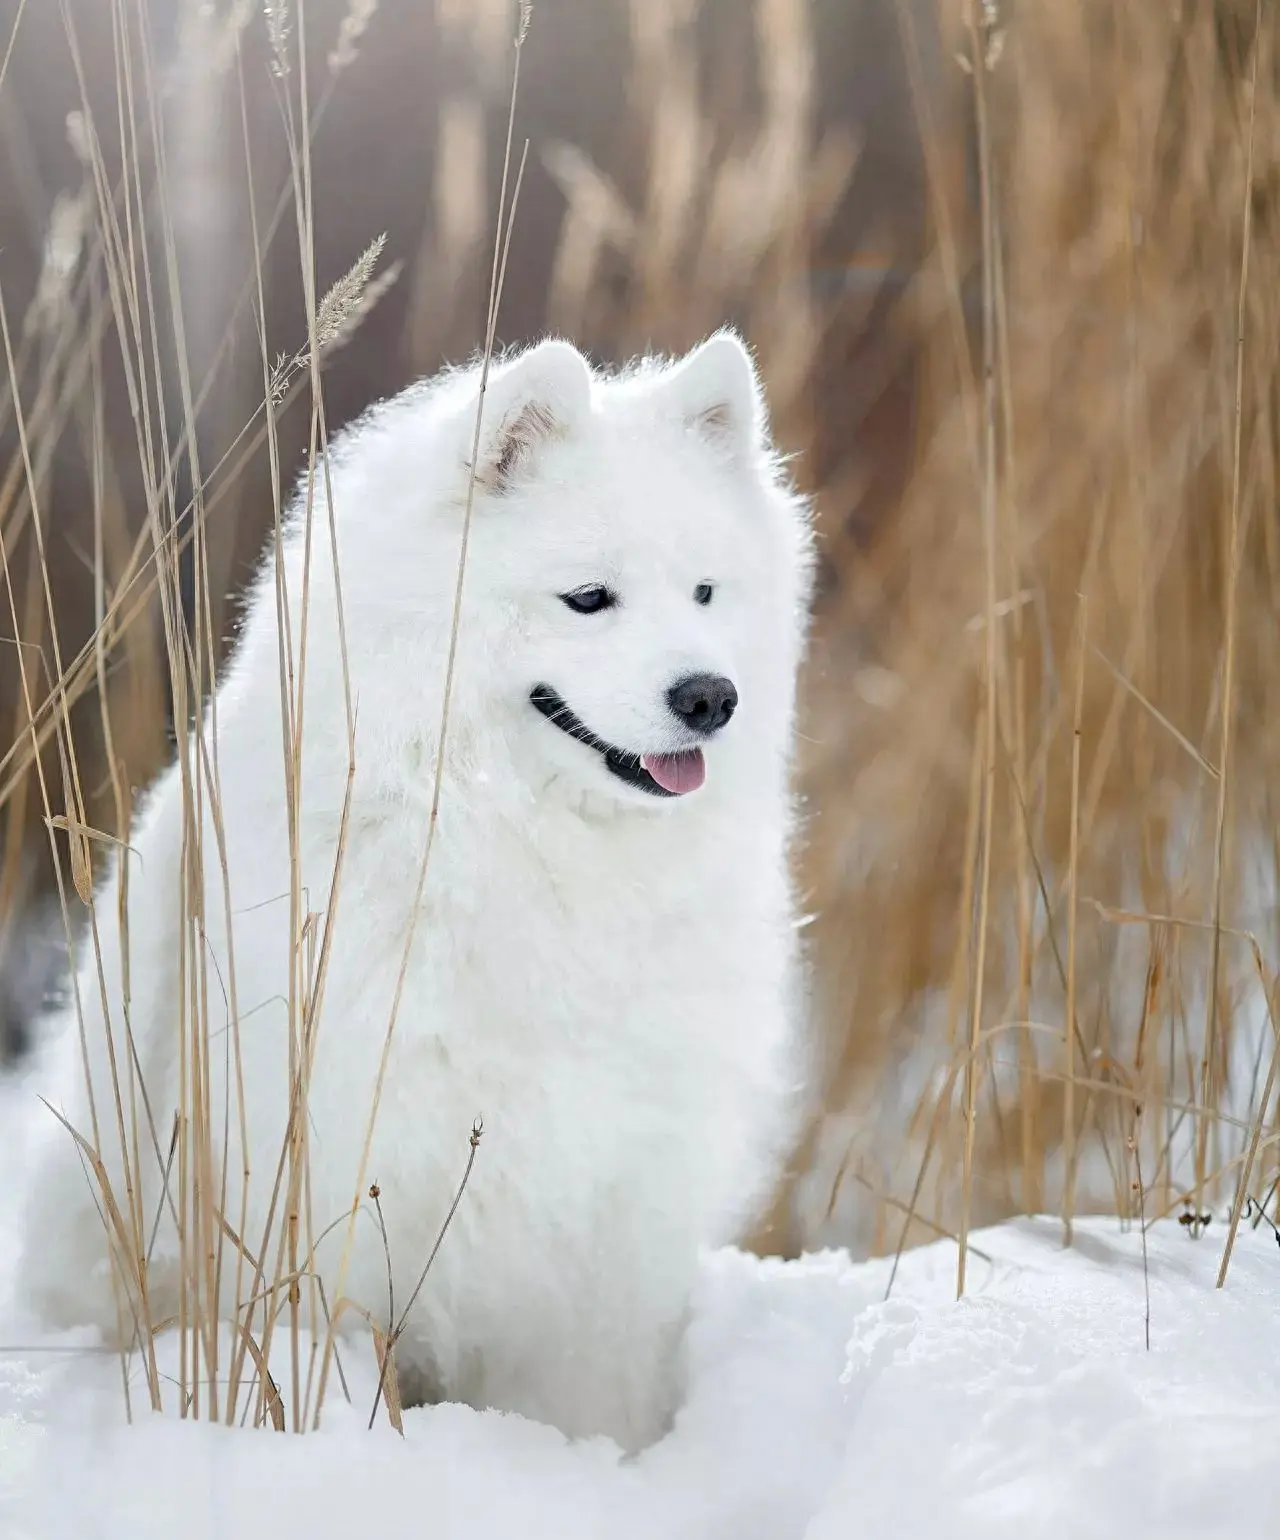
(661,775)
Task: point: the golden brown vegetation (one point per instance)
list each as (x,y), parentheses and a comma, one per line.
(1043,792)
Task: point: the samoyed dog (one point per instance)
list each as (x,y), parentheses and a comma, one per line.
(601,961)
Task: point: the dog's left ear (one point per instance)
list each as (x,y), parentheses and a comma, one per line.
(542,394)
(717,392)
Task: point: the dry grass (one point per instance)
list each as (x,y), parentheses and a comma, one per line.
(1045,798)
(1037,747)
(133,274)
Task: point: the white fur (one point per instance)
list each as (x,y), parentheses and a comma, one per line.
(608,979)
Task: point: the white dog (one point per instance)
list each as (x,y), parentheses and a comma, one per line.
(604,962)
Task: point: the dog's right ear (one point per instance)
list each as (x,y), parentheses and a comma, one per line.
(542,394)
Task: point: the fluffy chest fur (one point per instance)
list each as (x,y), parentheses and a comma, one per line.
(608,996)
(589,987)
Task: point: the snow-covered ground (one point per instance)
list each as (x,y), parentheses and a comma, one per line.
(816,1408)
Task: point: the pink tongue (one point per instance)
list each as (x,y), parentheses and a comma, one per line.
(676,773)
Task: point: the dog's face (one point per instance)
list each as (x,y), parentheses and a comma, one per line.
(650,572)
(640,659)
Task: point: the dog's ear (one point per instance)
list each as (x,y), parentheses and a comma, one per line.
(542,394)
(716,391)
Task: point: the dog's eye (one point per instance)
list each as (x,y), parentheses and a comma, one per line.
(589,601)
(702,593)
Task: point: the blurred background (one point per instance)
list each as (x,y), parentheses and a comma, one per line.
(1011,272)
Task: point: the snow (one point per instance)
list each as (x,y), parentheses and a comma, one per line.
(816,1409)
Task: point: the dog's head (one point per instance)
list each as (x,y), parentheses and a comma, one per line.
(635,582)
(650,566)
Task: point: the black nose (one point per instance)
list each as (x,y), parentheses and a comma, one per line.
(703,702)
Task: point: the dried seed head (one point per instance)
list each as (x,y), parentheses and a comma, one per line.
(336,307)
(63,246)
(354,24)
(277,17)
